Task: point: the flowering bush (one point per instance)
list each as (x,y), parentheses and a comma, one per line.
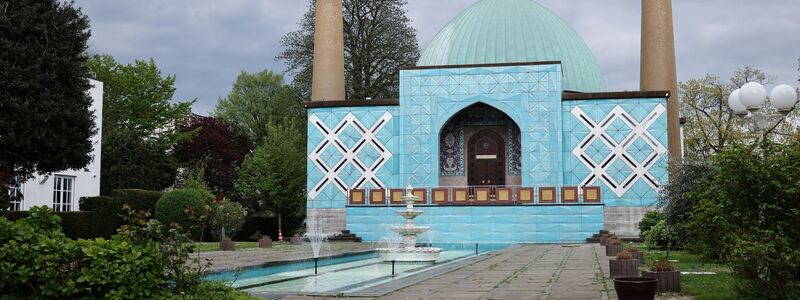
(228,215)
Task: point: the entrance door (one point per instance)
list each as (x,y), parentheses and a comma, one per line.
(486,156)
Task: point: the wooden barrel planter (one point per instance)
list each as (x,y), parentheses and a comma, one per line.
(603,239)
(265,242)
(613,250)
(623,268)
(638,256)
(635,288)
(669,281)
(227,245)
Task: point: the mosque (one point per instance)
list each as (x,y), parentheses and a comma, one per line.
(504,129)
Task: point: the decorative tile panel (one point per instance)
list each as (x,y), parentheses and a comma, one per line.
(349,148)
(529,95)
(619,145)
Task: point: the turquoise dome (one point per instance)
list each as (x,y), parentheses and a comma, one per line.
(508,31)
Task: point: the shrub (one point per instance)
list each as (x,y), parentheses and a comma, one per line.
(632,249)
(145,260)
(228,215)
(184,207)
(662,265)
(40,262)
(118,269)
(78,224)
(614,241)
(650,219)
(624,255)
(136,200)
(214,290)
(751,209)
(100,203)
(661,236)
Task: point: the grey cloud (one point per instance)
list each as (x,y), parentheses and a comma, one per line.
(206,43)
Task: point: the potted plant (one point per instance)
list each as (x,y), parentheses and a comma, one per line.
(614,247)
(296,239)
(635,288)
(624,266)
(227,244)
(603,239)
(639,255)
(669,279)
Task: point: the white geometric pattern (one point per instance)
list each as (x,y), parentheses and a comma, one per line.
(619,150)
(349,153)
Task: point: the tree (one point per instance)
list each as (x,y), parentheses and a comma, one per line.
(46,124)
(130,162)
(275,173)
(378,40)
(258,99)
(711,124)
(749,213)
(138,99)
(216,144)
(139,124)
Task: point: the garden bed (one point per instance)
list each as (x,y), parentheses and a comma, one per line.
(717,286)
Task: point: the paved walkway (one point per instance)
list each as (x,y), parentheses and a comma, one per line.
(522,272)
(230,260)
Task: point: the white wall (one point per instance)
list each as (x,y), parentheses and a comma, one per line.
(38,190)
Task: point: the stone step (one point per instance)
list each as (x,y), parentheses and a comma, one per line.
(345,236)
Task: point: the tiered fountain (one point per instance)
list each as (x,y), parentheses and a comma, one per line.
(409,252)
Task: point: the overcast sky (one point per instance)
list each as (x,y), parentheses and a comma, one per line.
(207,43)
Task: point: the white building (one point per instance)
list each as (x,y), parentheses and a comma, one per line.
(61,190)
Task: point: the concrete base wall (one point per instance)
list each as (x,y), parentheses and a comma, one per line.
(624,220)
(333,220)
(483,224)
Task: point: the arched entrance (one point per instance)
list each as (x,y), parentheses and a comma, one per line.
(479,145)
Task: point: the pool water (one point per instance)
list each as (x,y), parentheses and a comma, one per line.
(341,274)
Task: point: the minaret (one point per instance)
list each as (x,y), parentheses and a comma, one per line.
(658,63)
(328,72)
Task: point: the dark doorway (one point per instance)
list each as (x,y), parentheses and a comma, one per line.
(486,159)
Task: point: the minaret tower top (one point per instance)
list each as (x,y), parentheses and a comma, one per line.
(328,70)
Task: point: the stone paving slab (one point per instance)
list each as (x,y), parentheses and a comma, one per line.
(521,272)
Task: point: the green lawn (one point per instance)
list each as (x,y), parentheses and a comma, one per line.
(214,246)
(700,287)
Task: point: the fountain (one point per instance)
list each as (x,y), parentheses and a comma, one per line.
(316,237)
(409,251)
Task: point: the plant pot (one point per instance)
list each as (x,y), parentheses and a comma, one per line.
(667,281)
(635,288)
(227,245)
(296,240)
(265,242)
(603,239)
(623,268)
(638,256)
(613,250)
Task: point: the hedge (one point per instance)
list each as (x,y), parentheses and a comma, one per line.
(139,199)
(79,224)
(267,226)
(136,199)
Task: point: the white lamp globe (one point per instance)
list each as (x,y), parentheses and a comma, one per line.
(736,105)
(752,95)
(783,97)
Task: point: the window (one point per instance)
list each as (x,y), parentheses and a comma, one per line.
(15,191)
(62,193)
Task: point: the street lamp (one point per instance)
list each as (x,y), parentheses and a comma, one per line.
(748,102)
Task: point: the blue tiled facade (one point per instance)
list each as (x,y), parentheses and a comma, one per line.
(485,224)
(617,144)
